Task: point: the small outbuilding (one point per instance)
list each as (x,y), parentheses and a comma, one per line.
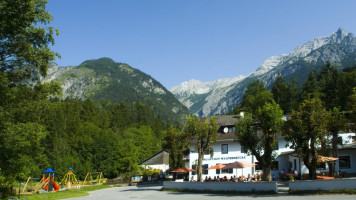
(159,160)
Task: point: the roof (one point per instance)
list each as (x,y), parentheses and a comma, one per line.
(226,121)
(49,170)
(161,157)
(347,146)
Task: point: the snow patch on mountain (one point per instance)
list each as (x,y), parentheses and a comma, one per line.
(186,90)
(210,98)
(198,87)
(269,64)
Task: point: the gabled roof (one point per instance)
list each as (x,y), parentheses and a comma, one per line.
(161,157)
(223,121)
(226,121)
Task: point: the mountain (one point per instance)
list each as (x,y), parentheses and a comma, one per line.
(219,97)
(103,79)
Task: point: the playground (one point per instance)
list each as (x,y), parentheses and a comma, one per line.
(47,183)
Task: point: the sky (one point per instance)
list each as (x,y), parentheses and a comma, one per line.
(179,40)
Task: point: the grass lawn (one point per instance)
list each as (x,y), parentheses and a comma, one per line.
(83,191)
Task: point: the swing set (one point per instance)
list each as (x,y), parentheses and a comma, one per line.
(98,180)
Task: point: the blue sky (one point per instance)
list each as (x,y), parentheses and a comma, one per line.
(179,40)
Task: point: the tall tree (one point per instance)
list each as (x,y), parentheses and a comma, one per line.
(348,83)
(21,153)
(329,80)
(352,106)
(311,88)
(336,123)
(25,37)
(304,128)
(202,133)
(259,134)
(285,94)
(255,97)
(175,143)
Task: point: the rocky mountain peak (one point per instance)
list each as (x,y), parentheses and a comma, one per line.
(218,97)
(269,64)
(341,32)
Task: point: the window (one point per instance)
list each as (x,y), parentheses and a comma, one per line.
(224,149)
(194,167)
(232,129)
(243,149)
(226,171)
(353,139)
(344,162)
(205,171)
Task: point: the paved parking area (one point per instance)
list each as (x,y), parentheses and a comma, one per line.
(154,193)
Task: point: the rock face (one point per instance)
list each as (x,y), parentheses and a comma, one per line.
(219,97)
(103,79)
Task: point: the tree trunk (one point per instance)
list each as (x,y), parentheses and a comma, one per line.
(200,167)
(267,157)
(312,169)
(331,169)
(266,173)
(335,153)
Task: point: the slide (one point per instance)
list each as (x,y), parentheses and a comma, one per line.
(55,186)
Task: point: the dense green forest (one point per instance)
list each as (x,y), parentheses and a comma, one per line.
(36,133)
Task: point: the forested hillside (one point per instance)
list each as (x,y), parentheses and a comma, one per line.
(104,79)
(38,133)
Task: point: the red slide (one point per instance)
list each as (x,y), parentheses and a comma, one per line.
(55,186)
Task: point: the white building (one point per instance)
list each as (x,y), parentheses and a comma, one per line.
(228,150)
(160,160)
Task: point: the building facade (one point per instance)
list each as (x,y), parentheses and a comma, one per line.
(228,150)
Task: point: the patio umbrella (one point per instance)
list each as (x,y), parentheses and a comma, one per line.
(326,159)
(184,170)
(217,166)
(238,164)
